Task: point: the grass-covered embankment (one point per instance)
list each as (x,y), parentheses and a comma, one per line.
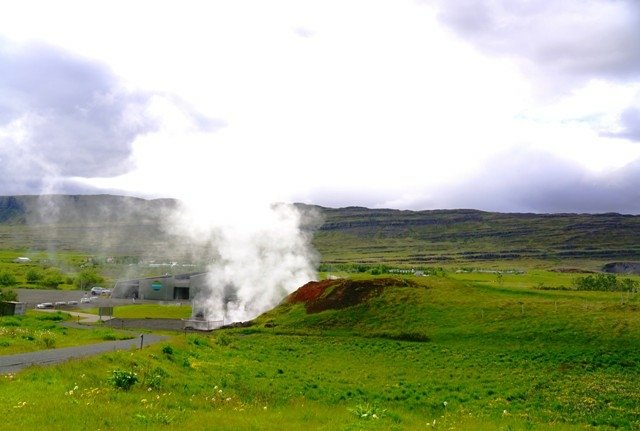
(489,357)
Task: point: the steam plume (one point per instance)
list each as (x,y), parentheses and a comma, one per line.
(256,264)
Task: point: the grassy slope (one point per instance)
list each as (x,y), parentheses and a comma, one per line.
(129,226)
(500,357)
(453,236)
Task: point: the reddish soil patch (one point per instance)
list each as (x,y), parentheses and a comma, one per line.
(310,291)
(323,295)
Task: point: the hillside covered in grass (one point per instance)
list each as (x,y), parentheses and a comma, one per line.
(131,226)
(451,236)
(366,353)
(487,347)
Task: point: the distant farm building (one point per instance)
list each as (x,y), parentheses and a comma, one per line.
(163,288)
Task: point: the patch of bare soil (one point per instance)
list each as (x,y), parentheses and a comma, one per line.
(323,295)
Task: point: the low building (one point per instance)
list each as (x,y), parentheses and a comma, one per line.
(12,308)
(163,288)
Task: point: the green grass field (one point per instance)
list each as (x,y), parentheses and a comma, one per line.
(150,311)
(37,331)
(493,356)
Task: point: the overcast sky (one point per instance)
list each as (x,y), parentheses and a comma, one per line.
(504,105)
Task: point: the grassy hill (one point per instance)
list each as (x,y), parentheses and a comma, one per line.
(125,225)
(367,353)
(540,356)
(87,223)
(441,237)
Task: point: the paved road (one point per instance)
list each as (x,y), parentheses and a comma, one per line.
(14,363)
(35,296)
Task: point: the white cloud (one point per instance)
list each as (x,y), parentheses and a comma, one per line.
(365,102)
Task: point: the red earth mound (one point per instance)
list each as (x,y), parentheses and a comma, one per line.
(323,295)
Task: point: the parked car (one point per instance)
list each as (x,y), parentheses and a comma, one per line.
(97,290)
(72,303)
(45,305)
(60,303)
(85,300)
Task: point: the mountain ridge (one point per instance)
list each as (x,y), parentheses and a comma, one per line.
(122,224)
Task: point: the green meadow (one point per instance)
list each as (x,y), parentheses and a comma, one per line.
(147,311)
(38,331)
(422,353)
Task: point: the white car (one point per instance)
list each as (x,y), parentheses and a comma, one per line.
(72,303)
(97,290)
(45,305)
(85,300)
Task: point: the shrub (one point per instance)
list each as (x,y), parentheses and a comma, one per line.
(154,378)
(49,341)
(52,278)
(7,279)
(55,317)
(167,350)
(605,282)
(33,275)
(122,379)
(8,295)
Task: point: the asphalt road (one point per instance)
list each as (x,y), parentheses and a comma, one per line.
(14,363)
(37,296)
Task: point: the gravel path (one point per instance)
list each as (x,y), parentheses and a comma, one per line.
(14,363)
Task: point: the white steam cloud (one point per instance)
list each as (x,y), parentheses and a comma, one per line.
(259,251)
(255,264)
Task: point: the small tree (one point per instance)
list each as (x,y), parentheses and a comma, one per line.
(88,277)
(52,278)
(7,279)
(33,275)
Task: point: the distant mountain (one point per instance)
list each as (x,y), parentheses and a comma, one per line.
(90,223)
(441,236)
(84,209)
(127,225)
